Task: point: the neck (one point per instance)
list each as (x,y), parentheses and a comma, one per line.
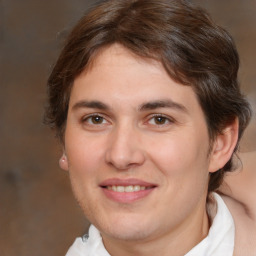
(178,242)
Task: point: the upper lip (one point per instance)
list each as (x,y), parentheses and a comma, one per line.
(126,182)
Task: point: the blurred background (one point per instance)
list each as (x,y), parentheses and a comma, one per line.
(38,215)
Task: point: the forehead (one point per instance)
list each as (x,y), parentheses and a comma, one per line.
(119,57)
(118,75)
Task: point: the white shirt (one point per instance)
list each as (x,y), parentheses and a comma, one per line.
(219,242)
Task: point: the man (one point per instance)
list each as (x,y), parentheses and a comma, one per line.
(145,100)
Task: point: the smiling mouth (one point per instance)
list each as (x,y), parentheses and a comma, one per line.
(128,189)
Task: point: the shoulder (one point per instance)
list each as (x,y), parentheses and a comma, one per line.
(245,227)
(239,187)
(239,194)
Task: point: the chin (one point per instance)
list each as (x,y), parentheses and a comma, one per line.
(126,228)
(127,232)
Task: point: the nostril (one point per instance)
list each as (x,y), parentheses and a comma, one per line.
(125,158)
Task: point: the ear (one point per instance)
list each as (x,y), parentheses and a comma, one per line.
(63,162)
(223,147)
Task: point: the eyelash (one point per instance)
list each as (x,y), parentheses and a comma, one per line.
(167,119)
(88,117)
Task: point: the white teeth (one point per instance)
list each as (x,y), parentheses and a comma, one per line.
(120,189)
(126,188)
(136,188)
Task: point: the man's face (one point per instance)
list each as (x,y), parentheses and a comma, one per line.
(137,148)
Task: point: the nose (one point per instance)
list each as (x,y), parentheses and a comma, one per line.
(125,149)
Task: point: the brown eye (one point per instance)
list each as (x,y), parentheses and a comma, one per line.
(160,120)
(95,120)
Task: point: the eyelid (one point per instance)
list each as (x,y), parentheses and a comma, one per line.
(170,119)
(86,117)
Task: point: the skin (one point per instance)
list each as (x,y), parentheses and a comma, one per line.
(238,192)
(122,138)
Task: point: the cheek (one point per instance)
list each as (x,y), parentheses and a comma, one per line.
(180,155)
(84,155)
(85,162)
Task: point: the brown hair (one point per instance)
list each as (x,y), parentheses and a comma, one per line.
(191,47)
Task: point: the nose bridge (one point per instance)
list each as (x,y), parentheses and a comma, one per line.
(124,149)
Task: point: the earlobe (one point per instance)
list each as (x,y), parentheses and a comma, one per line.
(63,162)
(223,147)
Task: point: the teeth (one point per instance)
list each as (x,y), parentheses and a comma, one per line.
(126,188)
(120,189)
(136,188)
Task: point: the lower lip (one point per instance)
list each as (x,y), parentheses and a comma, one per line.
(126,197)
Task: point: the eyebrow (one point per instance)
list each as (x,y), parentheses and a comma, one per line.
(162,104)
(90,104)
(151,105)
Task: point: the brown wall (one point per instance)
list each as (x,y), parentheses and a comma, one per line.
(38,215)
